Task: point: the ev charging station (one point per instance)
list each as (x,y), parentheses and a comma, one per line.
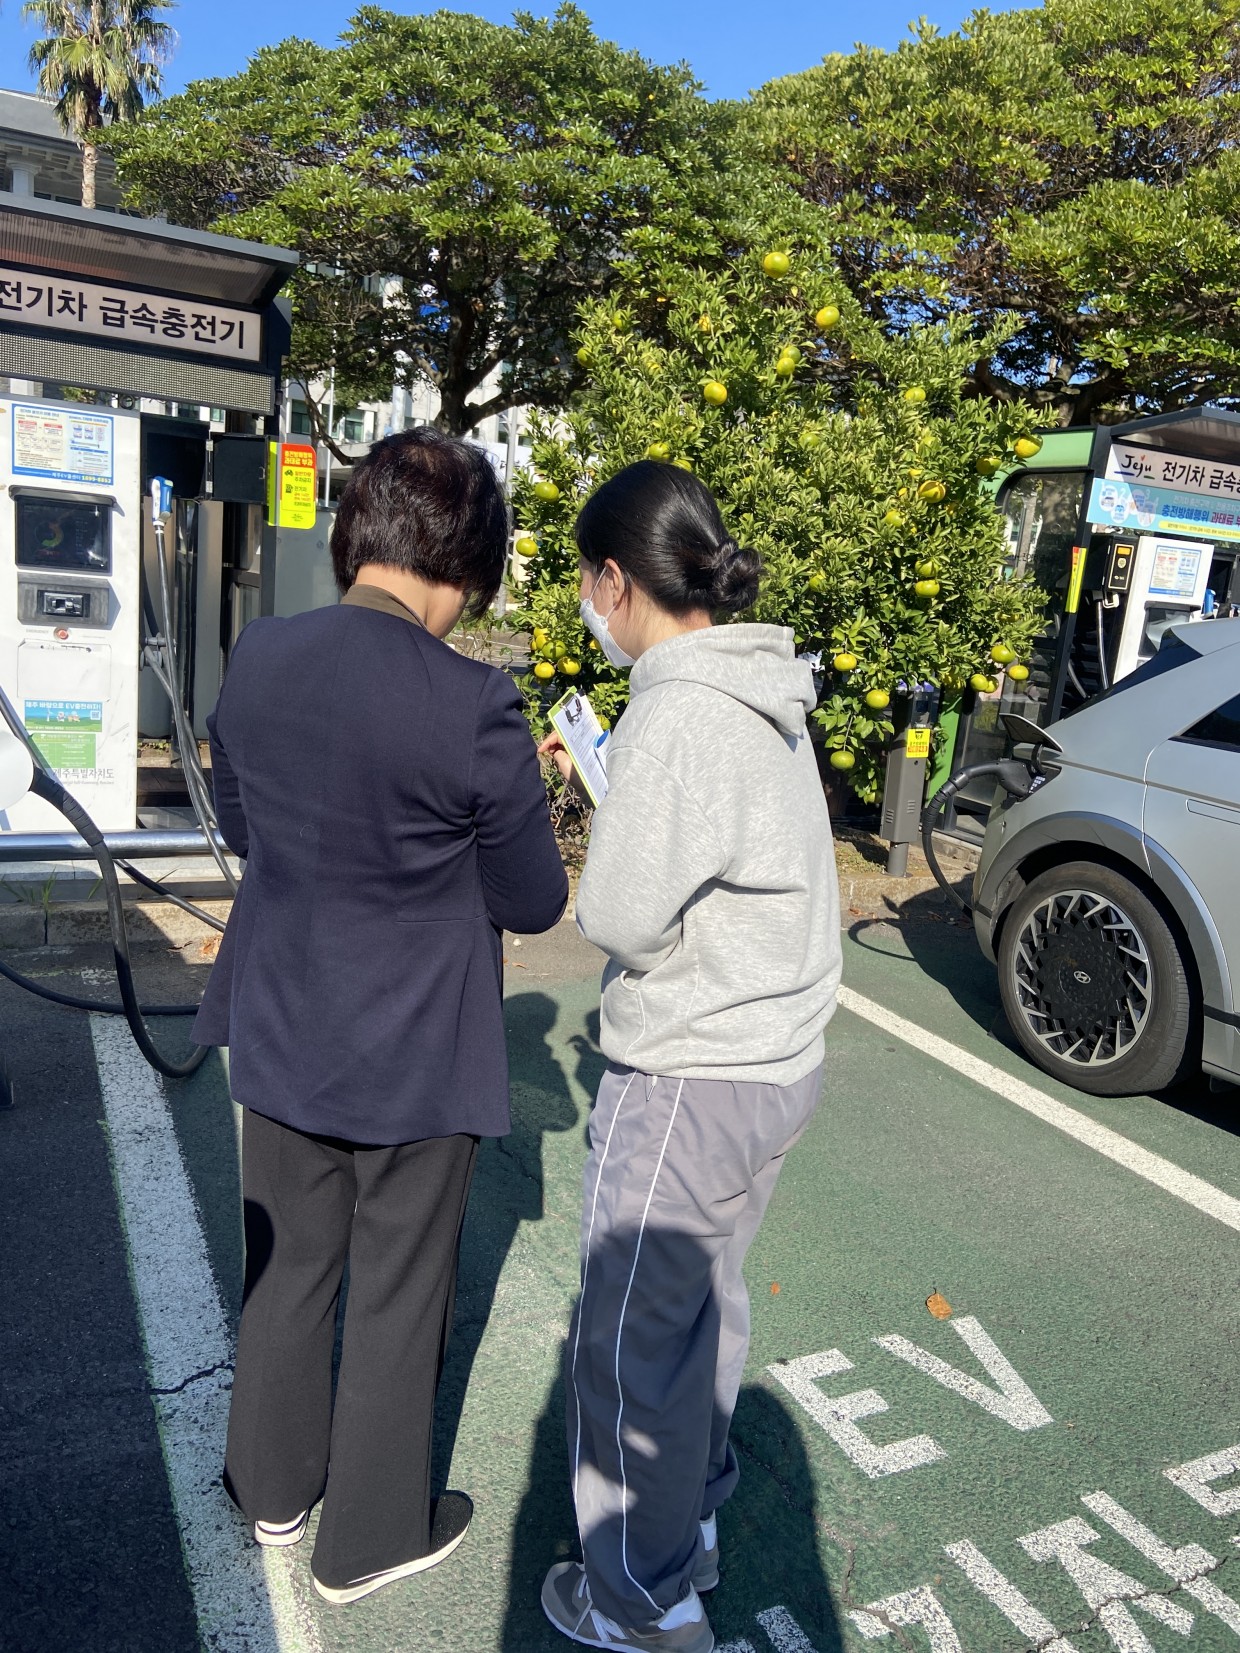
(115,335)
(1132,529)
(70,569)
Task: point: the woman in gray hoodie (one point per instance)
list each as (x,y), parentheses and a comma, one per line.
(710,884)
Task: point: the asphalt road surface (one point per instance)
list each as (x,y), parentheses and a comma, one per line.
(993,1402)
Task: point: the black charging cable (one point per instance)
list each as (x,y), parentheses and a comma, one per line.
(1017,778)
(44,784)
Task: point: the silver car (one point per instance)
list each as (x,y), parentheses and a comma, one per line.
(1109,897)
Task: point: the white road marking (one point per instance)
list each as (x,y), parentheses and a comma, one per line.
(1004,1595)
(1195,1478)
(1014,1402)
(1193,1190)
(245,1598)
(1104,1587)
(785,1633)
(1187,1565)
(920,1606)
(835,1413)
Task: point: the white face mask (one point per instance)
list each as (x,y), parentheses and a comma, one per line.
(596,624)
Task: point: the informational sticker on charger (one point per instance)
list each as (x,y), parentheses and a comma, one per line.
(62,446)
(917,743)
(65,732)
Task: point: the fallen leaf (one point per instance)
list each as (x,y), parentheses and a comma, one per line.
(938,1305)
(210,947)
(774,1288)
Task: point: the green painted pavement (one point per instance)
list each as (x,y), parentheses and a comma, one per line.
(1113,1301)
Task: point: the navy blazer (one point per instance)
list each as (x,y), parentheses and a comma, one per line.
(386,795)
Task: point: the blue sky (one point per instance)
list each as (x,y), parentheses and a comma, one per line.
(732,45)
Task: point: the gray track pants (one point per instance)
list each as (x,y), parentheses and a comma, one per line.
(678,1178)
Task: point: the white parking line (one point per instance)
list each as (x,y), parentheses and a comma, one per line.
(1193,1190)
(247,1600)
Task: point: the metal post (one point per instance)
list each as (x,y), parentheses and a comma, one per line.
(331,421)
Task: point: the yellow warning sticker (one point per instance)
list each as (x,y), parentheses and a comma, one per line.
(917,743)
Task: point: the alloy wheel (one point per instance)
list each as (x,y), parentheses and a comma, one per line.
(1084,983)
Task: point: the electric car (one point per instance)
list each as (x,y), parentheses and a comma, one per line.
(1109,895)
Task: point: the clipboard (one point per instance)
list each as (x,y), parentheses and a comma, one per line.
(574,720)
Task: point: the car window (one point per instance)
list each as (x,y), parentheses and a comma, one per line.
(1220,727)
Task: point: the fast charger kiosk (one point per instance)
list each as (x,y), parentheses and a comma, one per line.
(70,570)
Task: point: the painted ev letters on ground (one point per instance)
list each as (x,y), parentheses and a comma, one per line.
(1013,1401)
(1108,1592)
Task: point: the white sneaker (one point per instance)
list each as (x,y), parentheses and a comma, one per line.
(275,1535)
(450,1520)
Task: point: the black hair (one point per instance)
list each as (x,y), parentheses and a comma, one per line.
(660,524)
(429,504)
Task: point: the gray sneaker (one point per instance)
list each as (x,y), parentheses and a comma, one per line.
(706,1573)
(566,1602)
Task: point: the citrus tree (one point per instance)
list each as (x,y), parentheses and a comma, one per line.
(847,457)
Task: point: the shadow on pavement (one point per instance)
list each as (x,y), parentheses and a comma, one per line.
(941,943)
(501,1201)
(768,1532)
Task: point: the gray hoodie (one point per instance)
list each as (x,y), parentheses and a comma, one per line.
(710,880)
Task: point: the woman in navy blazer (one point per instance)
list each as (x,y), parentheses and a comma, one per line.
(386,795)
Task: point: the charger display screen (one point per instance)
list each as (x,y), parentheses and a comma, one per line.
(70,535)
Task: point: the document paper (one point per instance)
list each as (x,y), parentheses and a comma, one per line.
(574,721)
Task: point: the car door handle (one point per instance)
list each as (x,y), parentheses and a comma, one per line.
(1217,812)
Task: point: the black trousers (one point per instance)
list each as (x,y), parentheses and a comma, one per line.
(396,1214)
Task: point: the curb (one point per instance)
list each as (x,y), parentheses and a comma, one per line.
(75,923)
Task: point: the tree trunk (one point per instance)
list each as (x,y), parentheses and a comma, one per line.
(90,159)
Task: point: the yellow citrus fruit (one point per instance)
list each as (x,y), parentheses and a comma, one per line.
(559,650)
(539,638)
(715,393)
(817,582)
(526,545)
(543,670)
(1002,655)
(705,324)
(569,666)
(932,491)
(828,317)
(844,662)
(927,569)
(878,700)
(776,264)
(842,760)
(926,589)
(682,464)
(810,439)
(658,450)
(1026,446)
(981,684)
(894,519)
(584,357)
(1017,672)
(546,491)
(915,394)
(785,367)
(988,464)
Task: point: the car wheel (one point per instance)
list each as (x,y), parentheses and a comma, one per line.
(1093,983)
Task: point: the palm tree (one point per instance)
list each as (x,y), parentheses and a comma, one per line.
(98,62)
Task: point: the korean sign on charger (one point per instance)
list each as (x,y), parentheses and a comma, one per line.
(1167,493)
(292,485)
(129,315)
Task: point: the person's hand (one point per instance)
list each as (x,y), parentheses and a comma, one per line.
(554,748)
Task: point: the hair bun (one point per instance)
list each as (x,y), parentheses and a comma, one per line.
(737,573)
